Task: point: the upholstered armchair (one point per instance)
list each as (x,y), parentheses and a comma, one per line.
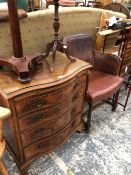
(104,81)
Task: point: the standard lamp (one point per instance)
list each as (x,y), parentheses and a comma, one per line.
(56,44)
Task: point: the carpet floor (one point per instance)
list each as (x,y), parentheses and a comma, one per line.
(106,150)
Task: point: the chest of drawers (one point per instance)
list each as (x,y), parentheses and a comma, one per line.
(46,111)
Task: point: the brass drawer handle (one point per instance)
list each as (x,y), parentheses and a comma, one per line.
(35,118)
(75,97)
(38,103)
(73,111)
(73,123)
(75,85)
(41,145)
(39,130)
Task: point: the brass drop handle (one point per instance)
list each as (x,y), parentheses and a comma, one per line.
(75,85)
(41,145)
(35,118)
(76,96)
(73,111)
(37,131)
(38,103)
(73,123)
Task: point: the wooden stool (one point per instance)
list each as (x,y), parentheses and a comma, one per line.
(4,114)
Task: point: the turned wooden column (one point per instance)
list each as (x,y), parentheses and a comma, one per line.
(15,29)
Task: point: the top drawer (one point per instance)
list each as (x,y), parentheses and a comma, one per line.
(38,101)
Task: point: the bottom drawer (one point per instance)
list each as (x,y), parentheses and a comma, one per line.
(50,143)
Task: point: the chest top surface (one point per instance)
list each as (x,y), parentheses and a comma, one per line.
(41,77)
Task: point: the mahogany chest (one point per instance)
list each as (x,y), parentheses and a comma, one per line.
(46,111)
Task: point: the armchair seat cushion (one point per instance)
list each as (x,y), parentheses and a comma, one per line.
(102,85)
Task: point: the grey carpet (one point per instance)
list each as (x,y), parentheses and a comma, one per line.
(105,151)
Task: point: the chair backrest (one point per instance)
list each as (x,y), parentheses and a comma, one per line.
(34,5)
(94,4)
(125,54)
(80,46)
(118,7)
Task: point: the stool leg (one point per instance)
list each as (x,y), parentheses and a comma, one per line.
(3,169)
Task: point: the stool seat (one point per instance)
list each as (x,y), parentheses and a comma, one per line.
(99,91)
(4,113)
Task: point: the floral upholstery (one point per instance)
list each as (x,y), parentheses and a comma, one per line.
(37,30)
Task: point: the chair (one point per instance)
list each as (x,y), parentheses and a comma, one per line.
(94,4)
(104,80)
(104,2)
(125,67)
(118,7)
(63,3)
(4,114)
(34,5)
(67,3)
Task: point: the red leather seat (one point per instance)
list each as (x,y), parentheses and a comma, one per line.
(98,91)
(104,80)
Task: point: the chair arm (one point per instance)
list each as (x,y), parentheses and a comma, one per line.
(108,63)
(4,113)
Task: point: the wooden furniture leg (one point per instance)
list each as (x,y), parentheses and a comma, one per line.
(115,101)
(128,94)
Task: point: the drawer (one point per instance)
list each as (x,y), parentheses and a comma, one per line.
(43,101)
(45,129)
(30,120)
(45,146)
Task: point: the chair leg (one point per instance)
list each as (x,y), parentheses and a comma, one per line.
(115,101)
(128,82)
(88,124)
(3,169)
(129,91)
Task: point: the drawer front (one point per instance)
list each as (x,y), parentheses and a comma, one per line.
(45,129)
(42,101)
(49,144)
(30,120)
